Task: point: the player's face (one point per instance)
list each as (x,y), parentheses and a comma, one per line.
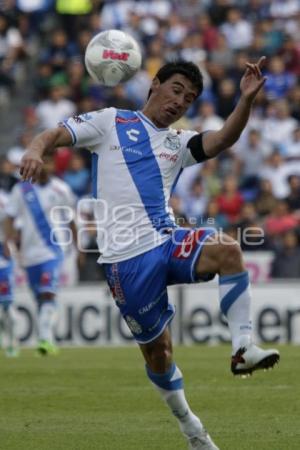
(172,99)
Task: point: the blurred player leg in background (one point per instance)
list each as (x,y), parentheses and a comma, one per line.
(43,279)
(8,316)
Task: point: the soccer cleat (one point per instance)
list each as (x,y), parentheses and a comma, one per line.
(249,358)
(46,348)
(202,441)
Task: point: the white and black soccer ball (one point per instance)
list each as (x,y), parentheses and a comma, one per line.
(112,56)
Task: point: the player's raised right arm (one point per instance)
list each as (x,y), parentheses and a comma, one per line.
(44,142)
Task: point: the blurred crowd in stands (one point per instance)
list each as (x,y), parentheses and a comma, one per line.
(254,185)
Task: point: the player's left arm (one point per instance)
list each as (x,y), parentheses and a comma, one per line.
(44,142)
(214,142)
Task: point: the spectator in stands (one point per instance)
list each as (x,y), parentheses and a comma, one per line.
(293,199)
(279,80)
(59,51)
(206,118)
(280,220)
(230,201)
(291,148)
(77,175)
(208,31)
(212,218)
(11,51)
(77,80)
(120,99)
(238,31)
(57,107)
(195,205)
(293,98)
(226,98)
(289,52)
(249,157)
(286,263)
(272,36)
(221,55)
(210,173)
(278,126)
(265,200)
(276,170)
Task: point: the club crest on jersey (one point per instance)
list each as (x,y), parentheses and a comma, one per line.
(172,142)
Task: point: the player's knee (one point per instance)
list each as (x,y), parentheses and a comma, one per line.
(231,257)
(160,357)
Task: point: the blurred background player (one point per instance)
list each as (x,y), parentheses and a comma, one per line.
(7,311)
(41,209)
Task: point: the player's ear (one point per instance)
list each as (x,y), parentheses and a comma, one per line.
(155,85)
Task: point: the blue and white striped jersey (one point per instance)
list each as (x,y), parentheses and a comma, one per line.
(42,212)
(135,166)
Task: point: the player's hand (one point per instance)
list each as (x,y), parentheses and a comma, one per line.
(253,80)
(31,165)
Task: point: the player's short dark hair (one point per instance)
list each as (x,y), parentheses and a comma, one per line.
(186,68)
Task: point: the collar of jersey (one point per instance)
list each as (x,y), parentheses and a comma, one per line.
(149,122)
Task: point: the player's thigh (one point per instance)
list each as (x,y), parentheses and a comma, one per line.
(139,288)
(219,254)
(44,278)
(186,249)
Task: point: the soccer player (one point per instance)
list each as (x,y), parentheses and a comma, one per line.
(37,209)
(136,161)
(7,311)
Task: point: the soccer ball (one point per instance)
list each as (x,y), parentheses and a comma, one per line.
(112,56)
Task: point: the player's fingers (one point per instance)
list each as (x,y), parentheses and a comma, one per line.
(30,169)
(24,170)
(261,61)
(261,83)
(254,69)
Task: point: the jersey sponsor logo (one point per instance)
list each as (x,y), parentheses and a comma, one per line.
(168,157)
(133,134)
(172,142)
(145,309)
(133,325)
(123,120)
(185,249)
(112,54)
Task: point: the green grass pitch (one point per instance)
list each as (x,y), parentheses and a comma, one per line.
(100,398)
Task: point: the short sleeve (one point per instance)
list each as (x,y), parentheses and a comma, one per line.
(187,157)
(90,129)
(14,204)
